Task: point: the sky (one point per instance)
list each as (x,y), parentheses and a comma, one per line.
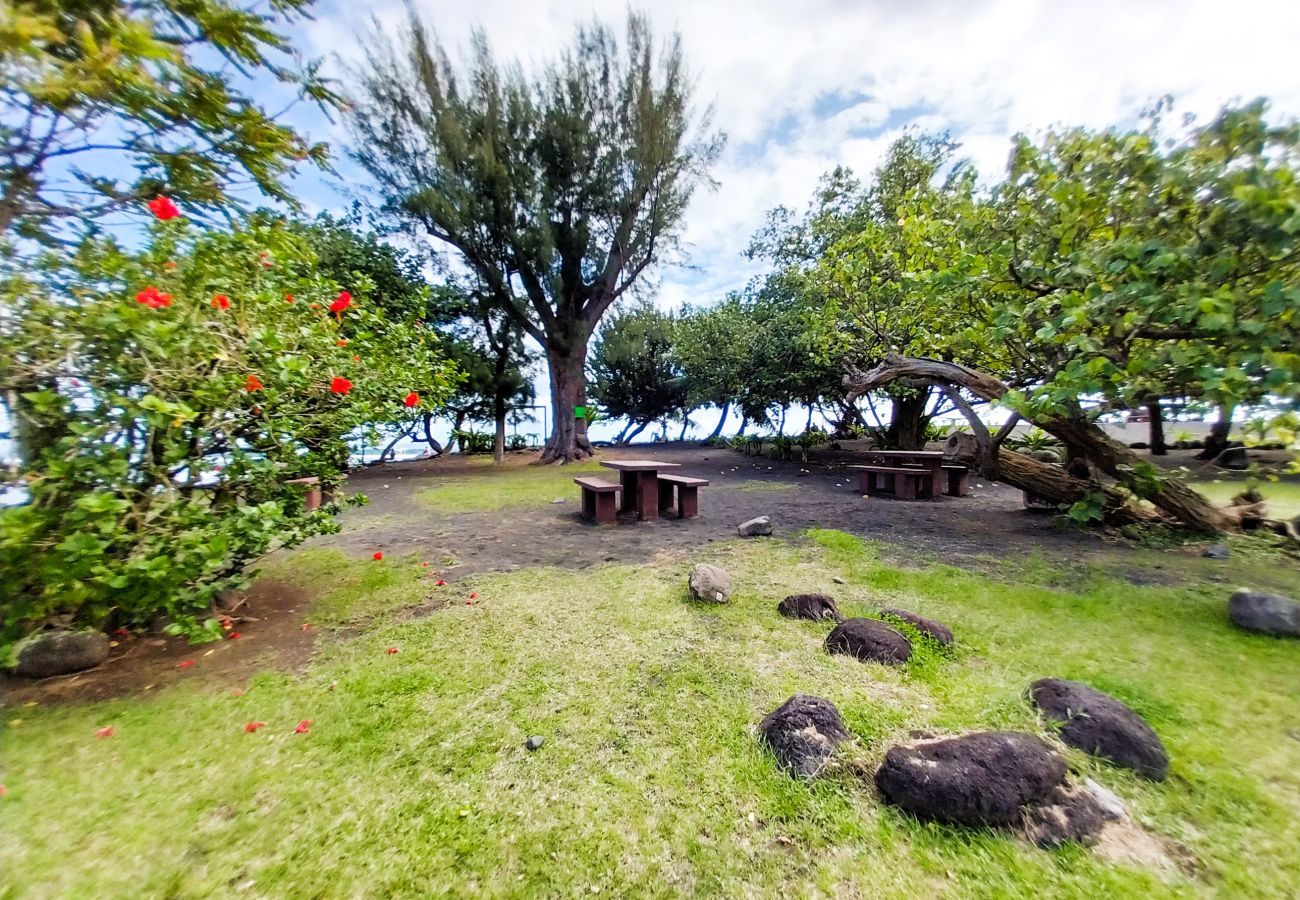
(800,87)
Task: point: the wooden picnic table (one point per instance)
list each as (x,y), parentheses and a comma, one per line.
(640,478)
(926,459)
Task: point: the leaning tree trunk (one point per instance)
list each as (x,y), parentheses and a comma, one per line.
(722,420)
(1076,432)
(1157,424)
(568,441)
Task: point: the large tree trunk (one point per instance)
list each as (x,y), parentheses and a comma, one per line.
(1076,432)
(627,438)
(499,440)
(722,419)
(567,366)
(908,420)
(1157,422)
(1217,441)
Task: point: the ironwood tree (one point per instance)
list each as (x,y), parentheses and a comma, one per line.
(559,191)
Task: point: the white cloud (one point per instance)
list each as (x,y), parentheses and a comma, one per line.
(802,87)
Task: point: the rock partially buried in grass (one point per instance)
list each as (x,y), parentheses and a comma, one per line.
(803,732)
(937,630)
(1263,613)
(1099,724)
(762,525)
(870,641)
(985,778)
(809,606)
(709,583)
(51,653)
(535,742)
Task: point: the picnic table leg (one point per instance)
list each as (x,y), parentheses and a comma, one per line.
(606,514)
(589,505)
(630,484)
(904,487)
(936,478)
(688,502)
(647,504)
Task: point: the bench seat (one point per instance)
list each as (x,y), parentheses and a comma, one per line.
(688,496)
(958,480)
(599,503)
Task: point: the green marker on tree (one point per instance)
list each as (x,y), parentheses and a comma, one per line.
(580,412)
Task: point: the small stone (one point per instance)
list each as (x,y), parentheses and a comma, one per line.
(1216,551)
(535,742)
(1067,814)
(50,653)
(1264,613)
(558,500)
(985,778)
(803,732)
(937,630)
(809,606)
(761,525)
(869,640)
(709,583)
(1099,724)
(838,580)
(1112,808)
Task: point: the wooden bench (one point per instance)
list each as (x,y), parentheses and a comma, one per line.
(312,494)
(598,501)
(908,483)
(958,480)
(688,494)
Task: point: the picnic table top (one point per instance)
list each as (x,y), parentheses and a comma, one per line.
(638,465)
(908,454)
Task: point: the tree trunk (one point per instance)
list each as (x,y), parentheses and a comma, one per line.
(807,426)
(457,423)
(907,422)
(639,428)
(1217,441)
(743,423)
(686,423)
(428,435)
(568,441)
(1076,432)
(1157,422)
(722,419)
(780,428)
(499,441)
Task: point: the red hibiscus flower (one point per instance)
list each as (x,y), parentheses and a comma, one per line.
(265,259)
(342,342)
(253,726)
(391,650)
(356,359)
(153,298)
(163,208)
(106,731)
(412,399)
(121,632)
(288,298)
(3,790)
(302,727)
(340,386)
(170,265)
(221,301)
(253,383)
(343,301)
(185,664)
(379,554)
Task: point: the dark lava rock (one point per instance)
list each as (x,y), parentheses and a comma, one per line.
(1217,551)
(809,606)
(937,630)
(1099,724)
(535,742)
(1265,613)
(1066,814)
(869,640)
(983,778)
(803,732)
(52,653)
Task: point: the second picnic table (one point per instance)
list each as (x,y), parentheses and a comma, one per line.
(640,478)
(931,460)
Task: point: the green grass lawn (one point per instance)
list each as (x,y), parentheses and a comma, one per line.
(515,486)
(1283,497)
(413,780)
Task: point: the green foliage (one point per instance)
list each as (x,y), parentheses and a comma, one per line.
(146,87)
(634,372)
(1034,439)
(159,436)
(471,442)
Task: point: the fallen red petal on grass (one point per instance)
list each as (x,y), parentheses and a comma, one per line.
(469,602)
(237,692)
(302,727)
(3,790)
(391,650)
(253,726)
(106,731)
(379,554)
(234,635)
(440,583)
(121,632)
(425,564)
(185,664)
(306,625)
(473,596)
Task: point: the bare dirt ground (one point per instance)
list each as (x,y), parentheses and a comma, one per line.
(979,531)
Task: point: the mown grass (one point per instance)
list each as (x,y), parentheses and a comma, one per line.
(490,489)
(413,781)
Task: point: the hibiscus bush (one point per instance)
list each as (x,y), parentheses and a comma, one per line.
(161,400)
